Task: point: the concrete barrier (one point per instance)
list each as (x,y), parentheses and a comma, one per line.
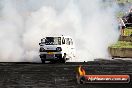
(120,52)
(125,38)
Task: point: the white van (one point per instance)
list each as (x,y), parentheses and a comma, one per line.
(57,49)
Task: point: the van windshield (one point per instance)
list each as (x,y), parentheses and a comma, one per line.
(53,40)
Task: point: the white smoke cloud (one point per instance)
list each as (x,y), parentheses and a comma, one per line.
(23,23)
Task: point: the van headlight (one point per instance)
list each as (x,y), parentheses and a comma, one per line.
(59,49)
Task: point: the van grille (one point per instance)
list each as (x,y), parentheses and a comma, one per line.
(51,51)
(49,56)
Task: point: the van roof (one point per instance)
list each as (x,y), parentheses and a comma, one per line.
(60,36)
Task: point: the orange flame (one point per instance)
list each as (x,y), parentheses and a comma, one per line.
(81,71)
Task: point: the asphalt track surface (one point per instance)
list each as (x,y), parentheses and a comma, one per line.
(37,75)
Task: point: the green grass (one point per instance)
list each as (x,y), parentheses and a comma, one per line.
(128,31)
(124,1)
(122,44)
(120,14)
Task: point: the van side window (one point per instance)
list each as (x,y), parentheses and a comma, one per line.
(67,41)
(63,40)
(71,42)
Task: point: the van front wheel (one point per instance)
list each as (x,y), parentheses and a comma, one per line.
(63,60)
(43,61)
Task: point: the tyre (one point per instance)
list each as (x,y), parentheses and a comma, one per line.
(64,60)
(43,61)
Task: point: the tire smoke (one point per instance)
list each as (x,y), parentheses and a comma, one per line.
(23,23)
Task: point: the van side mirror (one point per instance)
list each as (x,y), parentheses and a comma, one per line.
(39,43)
